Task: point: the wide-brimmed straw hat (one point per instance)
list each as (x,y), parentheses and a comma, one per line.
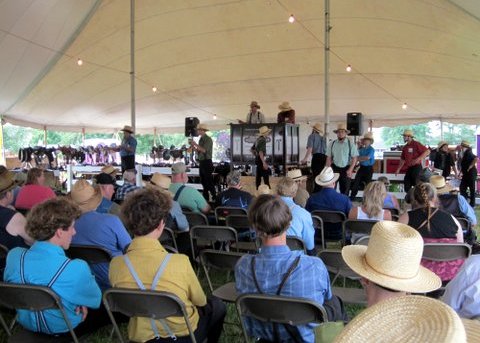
(340,127)
(7,181)
(441,144)
(264,131)
(318,127)
(160,180)
(284,106)
(369,136)
(128,128)
(410,318)
(296,175)
(202,127)
(438,181)
(465,144)
(263,189)
(254,104)
(472,328)
(408,133)
(108,169)
(86,196)
(392,259)
(326,177)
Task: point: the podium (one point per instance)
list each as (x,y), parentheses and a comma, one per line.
(282,144)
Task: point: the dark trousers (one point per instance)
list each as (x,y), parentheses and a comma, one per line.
(411,176)
(468,182)
(209,326)
(128,162)
(261,173)
(364,175)
(206,178)
(318,163)
(343,180)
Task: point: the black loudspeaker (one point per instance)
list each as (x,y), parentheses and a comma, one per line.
(354,123)
(191,126)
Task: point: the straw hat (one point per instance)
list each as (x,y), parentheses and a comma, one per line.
(263,189)
(472,328)
(202,127)
(284,106)
(392,259)
(264,131)
(368,135)
(441,144)
(160,180)
(128,128)
(326,177)
(111,170)
(86,196)
(408,133)
(254,104)
(296,175)
(318,127)
(438,181)
(410,318)
(343,127)
(7,181)
(465,144)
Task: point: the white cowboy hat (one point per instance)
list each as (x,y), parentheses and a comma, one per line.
(343,127)
(326,177)
(296,175)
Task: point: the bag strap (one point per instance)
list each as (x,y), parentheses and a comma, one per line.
(177,194)
(426,221)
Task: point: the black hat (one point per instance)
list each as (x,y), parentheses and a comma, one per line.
(105,179)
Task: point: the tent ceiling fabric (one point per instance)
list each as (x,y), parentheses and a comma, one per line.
(214,56)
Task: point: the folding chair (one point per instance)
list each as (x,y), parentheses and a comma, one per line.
(146,304)
(210,234)
(319,233)
(33,298)
(240,223)
(331,219)
(168,238)
(279,309)
(335,264)
(220,260)
(196,218)
(221,212)
(296,243)
(90,253)
(358,226)
(468,234)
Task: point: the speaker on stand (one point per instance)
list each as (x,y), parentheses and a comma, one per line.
(355,123)
(191,126)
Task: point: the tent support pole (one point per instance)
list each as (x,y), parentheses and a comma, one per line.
(326,71)
(3,159)
(44,135)
(441,129)
(83,136)
(132,62)
(154,136)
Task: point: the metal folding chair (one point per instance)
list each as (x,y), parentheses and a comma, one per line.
(91,254)
(221,213)
(196,218)
(319,233)
(296,243)
(358,226)
(331,219)
(168,238)
(240,223)
(209,235)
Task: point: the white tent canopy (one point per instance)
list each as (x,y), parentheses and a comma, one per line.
(212,57)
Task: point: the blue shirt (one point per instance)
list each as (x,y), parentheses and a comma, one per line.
(105,206)
(75,286)
(301,225)
(467,210)
(370,153)
(103,230)
(131,142)
(124,189)
(317,143)
(308,280)
(178,216)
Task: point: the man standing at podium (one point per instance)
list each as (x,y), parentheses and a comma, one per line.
(254,116)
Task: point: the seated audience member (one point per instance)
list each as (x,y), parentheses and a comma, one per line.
(129,185)
(391,200)
(463,292)
(176,220)
(110,170)
(435,226)
(411,318)
(98,229)
(34,191)
(390,264)
(328,199)
(372,206)
(107,184)
(186,196)
(302,224)
(148,265)
(424,176)
(12,223)
(302,195)
(20,178)
(233,196)
(277,270)
(51,224)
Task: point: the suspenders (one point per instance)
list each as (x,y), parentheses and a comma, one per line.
(140,285)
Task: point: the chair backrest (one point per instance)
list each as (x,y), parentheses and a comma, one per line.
(3,251)
(220,260)
(279,309)
(296,243)
(168,238)
(144,303)
(363,241)
(319,231)
(360,226)
(212,234)
(90,253)
(238,221)
(446,251)
(196,218)
(335,264)
(464,222)
(33,298)
(332,217)
(221,212)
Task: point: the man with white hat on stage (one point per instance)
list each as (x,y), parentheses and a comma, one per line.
(128,148)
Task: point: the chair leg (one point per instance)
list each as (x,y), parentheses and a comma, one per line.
(5,326)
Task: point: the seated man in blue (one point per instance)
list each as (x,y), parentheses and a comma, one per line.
(302,224)
(278,270)
(45,264)
(107,184)
(98,229)
(328,199)
(233,196)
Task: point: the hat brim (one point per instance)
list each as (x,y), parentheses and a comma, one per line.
(445,189)
(317,130)
(92,203)
(10,187)
(472,329)
(424,281)
(126,130)
(300,178)
(319,182)
(265,133)
(347,131)
(370,139)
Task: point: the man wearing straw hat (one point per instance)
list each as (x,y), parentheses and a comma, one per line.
(390,264)
(263,170)
(254,116)
(316,146)
(468,167)
(128,148)
(204,149)
(342,157)
(302,195)
(366,156)
(286,114)
(413,153)
(444,160)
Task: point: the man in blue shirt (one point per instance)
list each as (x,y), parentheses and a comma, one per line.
(317,147)
(128,148)
(270,217)
(366,156)
(51,224)
(107,184)
(233,196)
(328,199)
